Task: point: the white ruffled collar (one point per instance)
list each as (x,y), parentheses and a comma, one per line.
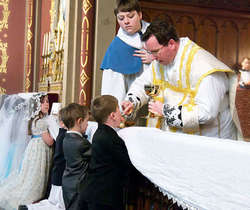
(133,40)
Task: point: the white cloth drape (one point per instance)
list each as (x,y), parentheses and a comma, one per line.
(196,171)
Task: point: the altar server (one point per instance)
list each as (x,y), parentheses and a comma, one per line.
(125,58)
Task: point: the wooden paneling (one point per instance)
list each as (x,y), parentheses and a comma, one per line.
(224,33)
(207,28)
(232,5)
(244,39)
(185,26)
(228,43)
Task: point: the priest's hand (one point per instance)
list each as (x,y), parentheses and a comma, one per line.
(146,57)
(156,107)
(127,107)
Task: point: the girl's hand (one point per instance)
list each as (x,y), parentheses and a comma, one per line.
(47,138)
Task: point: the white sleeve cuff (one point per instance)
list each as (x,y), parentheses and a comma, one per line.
(190,118)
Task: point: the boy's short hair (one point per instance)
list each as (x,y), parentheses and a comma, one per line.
(71,113)
(102,107)
(60,114)
(127,6)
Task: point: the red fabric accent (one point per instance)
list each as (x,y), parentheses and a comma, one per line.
(53,97)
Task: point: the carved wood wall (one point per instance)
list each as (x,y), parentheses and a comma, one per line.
(224,33)
(233,5)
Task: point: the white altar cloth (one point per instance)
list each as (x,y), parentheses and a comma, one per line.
(196,171)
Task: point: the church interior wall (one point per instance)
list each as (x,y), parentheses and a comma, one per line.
(12,38)
(105,29)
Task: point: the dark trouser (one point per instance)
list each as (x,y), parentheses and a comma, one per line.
(96,206)
(82,205)
(71,201)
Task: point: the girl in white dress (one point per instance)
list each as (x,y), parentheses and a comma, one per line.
(29,183)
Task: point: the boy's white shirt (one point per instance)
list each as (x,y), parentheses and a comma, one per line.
(76,132)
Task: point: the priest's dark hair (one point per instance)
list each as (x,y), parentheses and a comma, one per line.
(127,6)
(162,30)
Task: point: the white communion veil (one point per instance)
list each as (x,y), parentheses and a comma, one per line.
(15,112)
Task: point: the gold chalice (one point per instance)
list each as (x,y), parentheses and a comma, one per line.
(152,91)
(127,122)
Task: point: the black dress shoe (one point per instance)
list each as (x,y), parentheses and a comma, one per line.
(22,207)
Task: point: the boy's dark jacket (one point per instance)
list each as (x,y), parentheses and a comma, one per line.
(77,152)
(108,170)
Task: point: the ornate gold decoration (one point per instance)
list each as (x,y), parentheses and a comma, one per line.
(43,88)
(83,78)
(85,21)
(84,57)
(5,14)
(2,90)
(57,87)
(53,49)
(28,56)
(4,45)
(86,5)
(27,84)
(29,34)
(4,56)
(52,13)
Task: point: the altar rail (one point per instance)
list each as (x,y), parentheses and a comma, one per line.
(141,194)
(242,103)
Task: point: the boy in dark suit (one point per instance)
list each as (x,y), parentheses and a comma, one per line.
(77,151)
(110,162)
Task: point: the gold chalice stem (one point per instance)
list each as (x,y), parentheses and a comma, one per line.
(151,91)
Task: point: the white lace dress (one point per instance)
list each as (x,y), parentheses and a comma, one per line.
(29,184)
